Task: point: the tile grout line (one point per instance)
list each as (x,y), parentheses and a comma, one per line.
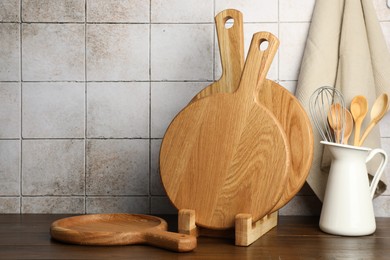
(85,108)
(279,39)
(150,107)
(214,33)
(21,110)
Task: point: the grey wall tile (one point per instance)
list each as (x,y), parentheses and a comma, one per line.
(10,205)
(10,110)
(138,205)
(117,52)
(53,52)
(118,167)
(182,52)
(9,167)
(302,206)
(9,52)
(118,11)
(253,10)
(382,10)
(296,10)
(156,187)
(178,11)
(53,205)
(53,11)
(53,167)
(168,98)
(162,205)
(293,38)
(9,10)
(382,206)
(53,110)
(118,110)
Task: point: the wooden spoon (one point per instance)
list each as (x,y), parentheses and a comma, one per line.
(348,126)
(359,109)
(336,120)
(378,111)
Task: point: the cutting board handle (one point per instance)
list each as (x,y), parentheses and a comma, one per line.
(169,240)
(231,44)
(261,53)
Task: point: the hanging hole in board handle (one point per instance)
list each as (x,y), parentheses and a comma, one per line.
(388,3)
(263,45)
(229,22)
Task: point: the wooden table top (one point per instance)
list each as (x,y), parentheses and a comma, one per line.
(28,237)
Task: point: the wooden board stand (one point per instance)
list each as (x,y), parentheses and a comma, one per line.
(245,232)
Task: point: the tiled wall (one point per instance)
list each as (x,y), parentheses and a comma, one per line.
(88,87)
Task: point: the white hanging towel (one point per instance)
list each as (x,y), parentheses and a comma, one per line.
(346,49)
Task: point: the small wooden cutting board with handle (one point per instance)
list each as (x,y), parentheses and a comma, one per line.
(120,229)
(226,154)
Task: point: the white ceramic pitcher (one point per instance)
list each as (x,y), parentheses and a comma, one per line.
(347,208)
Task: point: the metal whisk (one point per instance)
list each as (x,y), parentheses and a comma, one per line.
(327,110)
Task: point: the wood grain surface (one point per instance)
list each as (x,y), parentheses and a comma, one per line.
(226,154)
(296,124)
(120,229)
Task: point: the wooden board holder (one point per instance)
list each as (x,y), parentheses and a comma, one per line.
(245,232)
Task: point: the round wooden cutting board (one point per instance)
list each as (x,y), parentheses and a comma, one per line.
(283,104)
(226,154)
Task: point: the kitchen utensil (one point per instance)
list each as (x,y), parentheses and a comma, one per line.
(337,120)
(348,126)
(347,207)
(378,111)
(231,49)
(320,104)
(286,108)
(120,229)
(226,154)
(359,109)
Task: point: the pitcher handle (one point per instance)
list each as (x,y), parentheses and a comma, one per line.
(379,171)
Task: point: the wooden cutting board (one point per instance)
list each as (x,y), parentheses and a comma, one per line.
(226,154)
(120,229)
(231,49)
(284,105)
(296,124)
